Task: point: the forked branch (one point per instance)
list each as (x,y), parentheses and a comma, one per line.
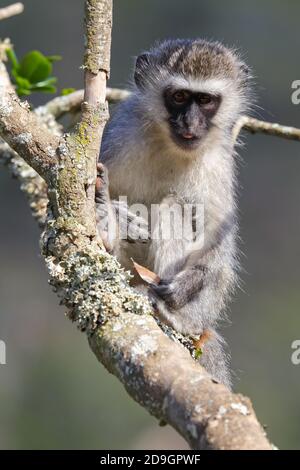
(11,10)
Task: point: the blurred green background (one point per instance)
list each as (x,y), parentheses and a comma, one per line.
(53,393)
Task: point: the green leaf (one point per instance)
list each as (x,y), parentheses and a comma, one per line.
(54,58)
(49,81)
(22,82)
(22,91)
(46,86)
(198,353)
(67,91)
(11,55)
(35,67)
(45,89)
(33,73)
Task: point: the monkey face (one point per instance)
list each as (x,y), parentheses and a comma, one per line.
(189,115)
(190,89)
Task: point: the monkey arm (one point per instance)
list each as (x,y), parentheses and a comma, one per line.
(193,298)
(180,289)
(114,221)
(105,215)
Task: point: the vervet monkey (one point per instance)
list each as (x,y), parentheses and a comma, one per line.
(170,145)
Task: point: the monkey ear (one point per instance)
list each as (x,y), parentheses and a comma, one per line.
(244,69)
(245,72)
(141,65)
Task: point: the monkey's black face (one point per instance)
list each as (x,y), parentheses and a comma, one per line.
(190,115)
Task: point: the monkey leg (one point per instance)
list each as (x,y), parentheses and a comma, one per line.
(215,359)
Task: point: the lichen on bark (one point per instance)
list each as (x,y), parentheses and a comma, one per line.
(90,282)
(98,20)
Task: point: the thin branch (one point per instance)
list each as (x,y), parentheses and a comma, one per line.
(71,103)
(98,22)
(254,126)
(98,25)
(11,10)
(113,95)
(61,105)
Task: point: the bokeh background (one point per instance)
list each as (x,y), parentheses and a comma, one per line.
(53,393)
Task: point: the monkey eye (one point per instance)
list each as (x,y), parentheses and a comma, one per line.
(204,98)
(180,96)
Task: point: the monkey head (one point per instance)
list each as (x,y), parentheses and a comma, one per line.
(188,87)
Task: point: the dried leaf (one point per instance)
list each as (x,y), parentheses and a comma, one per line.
(199,343)
(148,276)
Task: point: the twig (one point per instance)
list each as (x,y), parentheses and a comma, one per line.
(254,126)
(62,105)
(71,103)
(98,25)
(113,95)
(11,10)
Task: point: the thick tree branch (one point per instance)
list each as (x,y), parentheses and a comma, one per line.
(161,376)
(22,131)
(31,183)
(5,83)
(158,373)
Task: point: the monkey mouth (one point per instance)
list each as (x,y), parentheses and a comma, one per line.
(186,140)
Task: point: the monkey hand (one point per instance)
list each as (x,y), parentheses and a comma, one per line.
(176,292)
(102,183)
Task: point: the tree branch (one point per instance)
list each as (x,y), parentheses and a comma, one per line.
(31,183)
(161,376)
(11,10)
(98,24)
(158,373)
(21,129)
(71,103)
(254,126)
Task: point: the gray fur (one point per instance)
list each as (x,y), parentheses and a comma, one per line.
(146,165)
(192,57)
